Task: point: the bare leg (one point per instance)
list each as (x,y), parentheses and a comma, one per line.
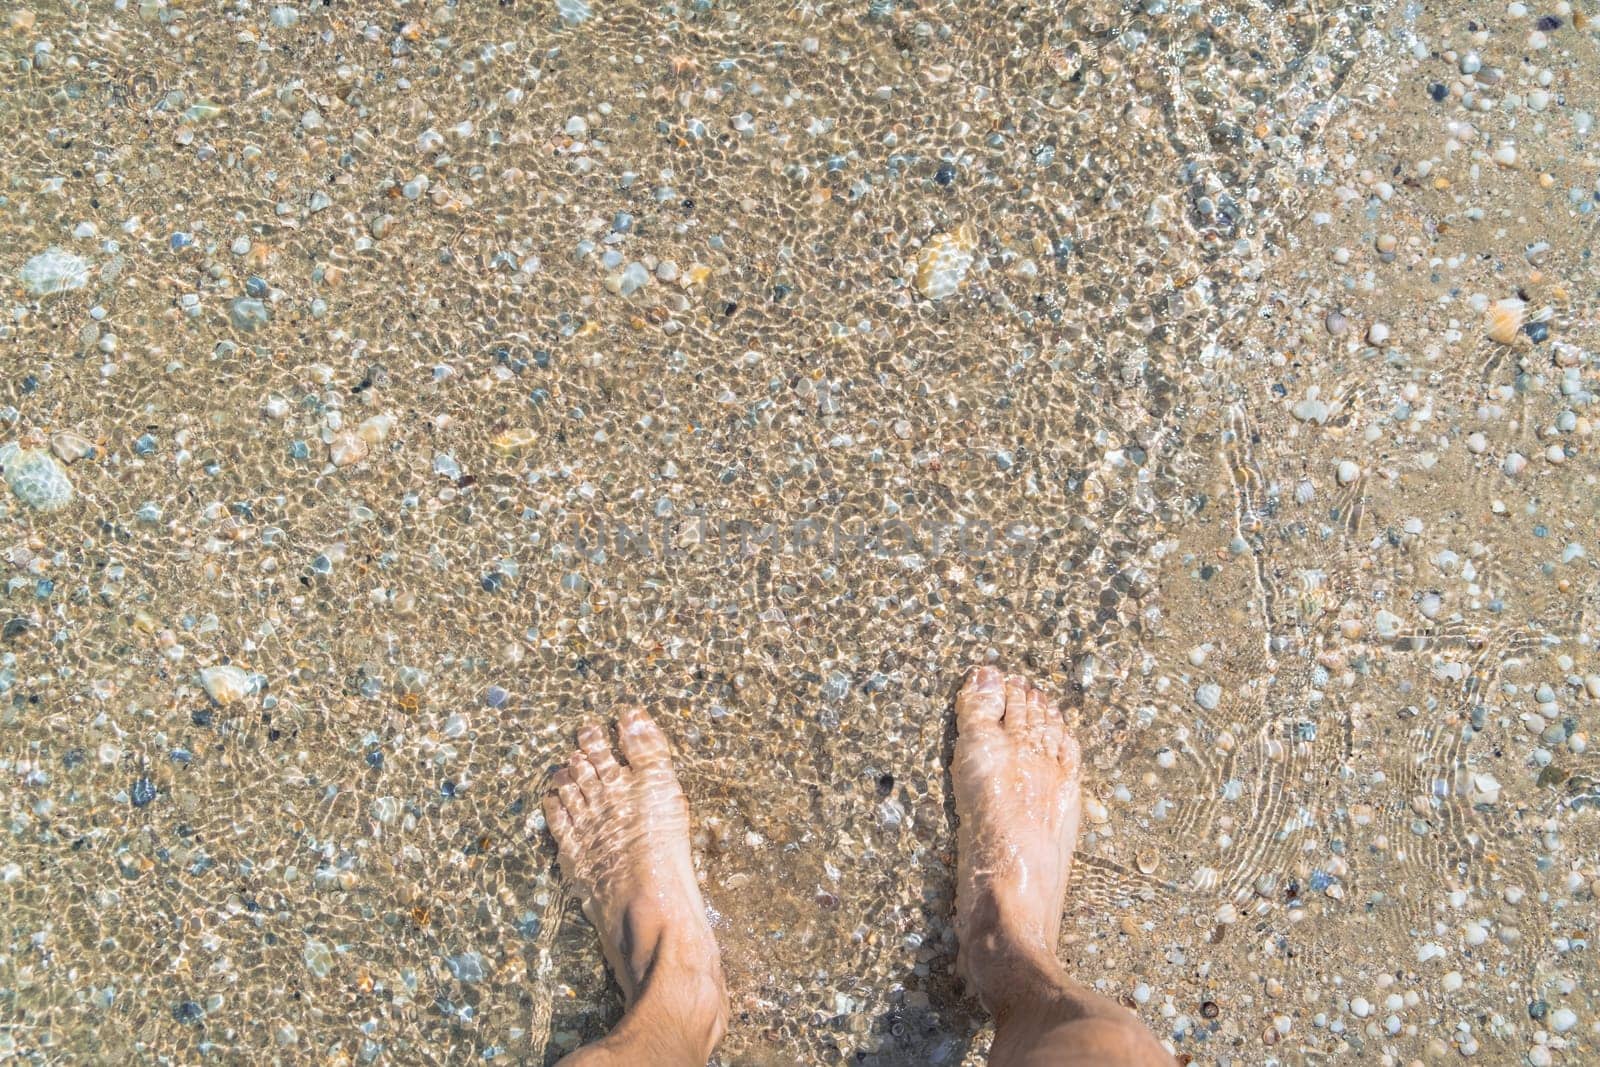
(623,838)
(1016,783)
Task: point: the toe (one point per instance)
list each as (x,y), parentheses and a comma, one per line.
(643,743)
(1016,703)
(560,826)
(1070,757)
(592,739)
(1038,707)
(571,797)
(1046,729)
(583,774)
(981,701)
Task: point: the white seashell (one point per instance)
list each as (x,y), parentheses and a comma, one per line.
(227,684)
(346,447)
(1483,789)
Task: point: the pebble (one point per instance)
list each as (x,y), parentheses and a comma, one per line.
(375,429)
(70,447)
(1311,410)
(467,967)
(1347,471)
(318,957)
(1563,1020)
(1208,695)
(36,477)
(629,280)
(227,684)
(1378,333)
(573,12)
(943,263)
(54,270)
(248,313)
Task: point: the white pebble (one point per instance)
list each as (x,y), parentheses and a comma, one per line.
(1348,472)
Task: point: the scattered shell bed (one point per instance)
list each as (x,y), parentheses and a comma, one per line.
(390,388)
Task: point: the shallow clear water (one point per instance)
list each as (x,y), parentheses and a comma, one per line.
(454,372)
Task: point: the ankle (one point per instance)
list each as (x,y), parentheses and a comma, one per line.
(1002,957)
(683,995)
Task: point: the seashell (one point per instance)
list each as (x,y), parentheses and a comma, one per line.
(1148,860)
(1504,320)
(346,448)
(944,261)
(1483,789)
(514,440)
(227,684)
(1205,880)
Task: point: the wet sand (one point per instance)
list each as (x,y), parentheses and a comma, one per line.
(394,387)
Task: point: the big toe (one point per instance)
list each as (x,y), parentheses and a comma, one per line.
(643,743)
(982,701)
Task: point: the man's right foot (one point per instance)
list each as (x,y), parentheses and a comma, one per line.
(1016,782)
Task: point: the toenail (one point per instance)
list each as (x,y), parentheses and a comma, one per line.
(986,678)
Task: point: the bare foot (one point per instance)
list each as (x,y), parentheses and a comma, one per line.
(623,838)
(1016,782)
